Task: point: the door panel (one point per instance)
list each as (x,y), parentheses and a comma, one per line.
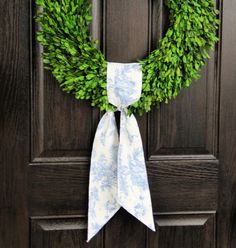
(58,188)
(62,127)
(61,232)
(188,125)
(185,230)
(183,185)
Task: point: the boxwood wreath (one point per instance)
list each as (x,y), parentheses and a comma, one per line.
(80,67)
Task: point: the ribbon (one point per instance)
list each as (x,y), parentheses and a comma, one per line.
(118,176)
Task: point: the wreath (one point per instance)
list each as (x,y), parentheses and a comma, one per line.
(80,67)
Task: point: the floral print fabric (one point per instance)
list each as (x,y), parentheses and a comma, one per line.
(118,176)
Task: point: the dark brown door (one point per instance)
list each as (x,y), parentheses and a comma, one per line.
(46,138)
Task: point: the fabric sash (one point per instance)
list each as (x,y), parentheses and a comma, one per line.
(118,176)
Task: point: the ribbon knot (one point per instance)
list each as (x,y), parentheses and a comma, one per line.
(118,176)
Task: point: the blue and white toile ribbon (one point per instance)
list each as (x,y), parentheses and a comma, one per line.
(118,176)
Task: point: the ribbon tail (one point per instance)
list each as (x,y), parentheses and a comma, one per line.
(133,188)
(103,175)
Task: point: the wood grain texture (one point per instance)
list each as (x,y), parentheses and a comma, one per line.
(58,188)
(227,141)
(128,231)
(14,126)
(62,232)
(175,186)
(127,30)
(189,185)
(183,231)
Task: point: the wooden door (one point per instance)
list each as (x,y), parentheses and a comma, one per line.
(46,138)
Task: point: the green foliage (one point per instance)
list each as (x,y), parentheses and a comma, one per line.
(80,68)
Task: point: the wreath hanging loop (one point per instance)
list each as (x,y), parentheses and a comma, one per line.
(80,68)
